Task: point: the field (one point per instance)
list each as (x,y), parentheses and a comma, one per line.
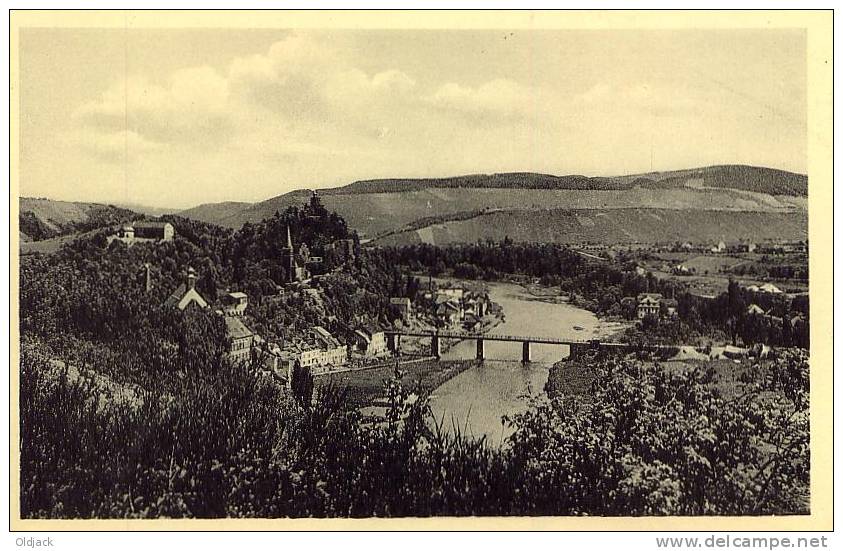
(46,246)
(613,226)
(365,386)
(711,273)
(713,264)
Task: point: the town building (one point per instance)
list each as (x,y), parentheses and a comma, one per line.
(334,352)
(186,294)
(649,304)
(307,356)
(319,351)
(236,303)
(131,233)
(240,339)
(126,232)
(370,340)
(159,231)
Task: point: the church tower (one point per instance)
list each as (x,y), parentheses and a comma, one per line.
(290,259)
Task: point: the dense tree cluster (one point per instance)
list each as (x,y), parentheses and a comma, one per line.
(232,443)
(757,179)
(657,441)
(34,228)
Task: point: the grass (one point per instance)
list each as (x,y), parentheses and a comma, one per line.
(364,386)
(574,378)
(46,246)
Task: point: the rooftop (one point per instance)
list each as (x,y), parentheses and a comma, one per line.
(151,224)
(236,329)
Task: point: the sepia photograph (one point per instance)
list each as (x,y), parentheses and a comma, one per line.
(287,265)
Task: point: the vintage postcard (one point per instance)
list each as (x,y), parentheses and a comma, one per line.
(421,270)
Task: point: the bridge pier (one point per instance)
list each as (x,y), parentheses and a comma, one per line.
(576,348)
(435,347)
(481,349)
(525,352)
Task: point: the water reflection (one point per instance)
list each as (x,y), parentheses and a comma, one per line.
(477,398)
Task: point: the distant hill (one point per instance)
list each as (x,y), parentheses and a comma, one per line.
(213,213)
(378,208)
(42,219)
(147,210)
(745,178)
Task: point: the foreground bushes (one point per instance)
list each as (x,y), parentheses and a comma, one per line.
(232,443)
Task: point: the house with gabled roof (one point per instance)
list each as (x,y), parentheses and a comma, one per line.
(186,294)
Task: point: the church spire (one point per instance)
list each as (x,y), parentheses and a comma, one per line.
(289,239)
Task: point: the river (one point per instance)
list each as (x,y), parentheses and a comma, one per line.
(476,399)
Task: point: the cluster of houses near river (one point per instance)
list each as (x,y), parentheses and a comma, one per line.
(657,306)
(455,307)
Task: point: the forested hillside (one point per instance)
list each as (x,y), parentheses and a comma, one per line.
(45,218)
(745,178)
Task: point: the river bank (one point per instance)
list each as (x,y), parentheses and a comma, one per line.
(611,328)
(478,398)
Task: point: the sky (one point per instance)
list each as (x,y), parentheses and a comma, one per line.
(179,117)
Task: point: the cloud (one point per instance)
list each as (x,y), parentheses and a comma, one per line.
(301,96)
(113,146)
(499,97)
(193,104)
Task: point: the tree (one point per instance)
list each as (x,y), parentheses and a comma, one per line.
(736,309)
(301,383)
